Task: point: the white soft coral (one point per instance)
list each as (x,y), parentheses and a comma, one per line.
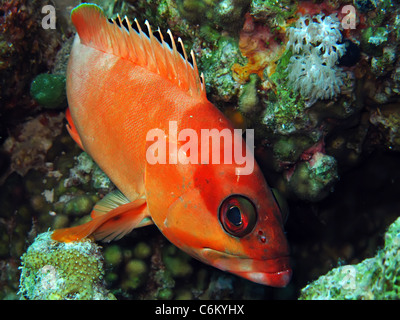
(315,44)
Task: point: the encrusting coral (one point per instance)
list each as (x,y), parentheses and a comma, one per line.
(62,271)
(373,279)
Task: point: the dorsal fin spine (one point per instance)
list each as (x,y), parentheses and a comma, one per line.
(176,61)
(197,79)
(131,46)
(134,44)
(147,47)
(113,37)
(174,58)
(164,55)
(123,49)
(141,43)
(152,44)
(187,78)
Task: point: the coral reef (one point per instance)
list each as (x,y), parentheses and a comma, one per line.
(373,40)
(86,170)
(312,70)
(272,11)
(26,49)
(375,278)
(28,148)
(324,103)
(388,120)
(284,111)
(314,179)
(217,68)
(62,271)
(49,90)
(227,14)
(261,45)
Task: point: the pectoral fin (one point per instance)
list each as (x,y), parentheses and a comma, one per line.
(121,218)
(72,130)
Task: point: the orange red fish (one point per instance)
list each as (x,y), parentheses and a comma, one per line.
(121,84)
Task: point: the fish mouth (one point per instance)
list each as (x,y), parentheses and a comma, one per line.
(274,272)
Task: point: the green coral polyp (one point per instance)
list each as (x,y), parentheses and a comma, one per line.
(65,271)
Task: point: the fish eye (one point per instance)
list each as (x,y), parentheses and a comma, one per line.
(237,215)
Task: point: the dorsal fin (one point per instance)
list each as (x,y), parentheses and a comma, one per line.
(119,38)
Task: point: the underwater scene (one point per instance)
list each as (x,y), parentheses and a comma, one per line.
(200,150)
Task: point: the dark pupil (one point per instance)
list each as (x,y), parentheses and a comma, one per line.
(234,216)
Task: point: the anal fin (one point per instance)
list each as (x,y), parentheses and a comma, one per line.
(112,225)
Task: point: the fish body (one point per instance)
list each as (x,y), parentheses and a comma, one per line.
(121,85)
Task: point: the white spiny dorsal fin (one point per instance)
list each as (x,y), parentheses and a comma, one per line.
(162,61)
(152,45)
(119,38)
(174,54)
(187,78)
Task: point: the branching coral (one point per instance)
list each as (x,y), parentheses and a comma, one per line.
(315,44)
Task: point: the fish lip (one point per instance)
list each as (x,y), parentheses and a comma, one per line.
(275,272)
(274,279)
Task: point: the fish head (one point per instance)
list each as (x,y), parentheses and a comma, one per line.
(230,222)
